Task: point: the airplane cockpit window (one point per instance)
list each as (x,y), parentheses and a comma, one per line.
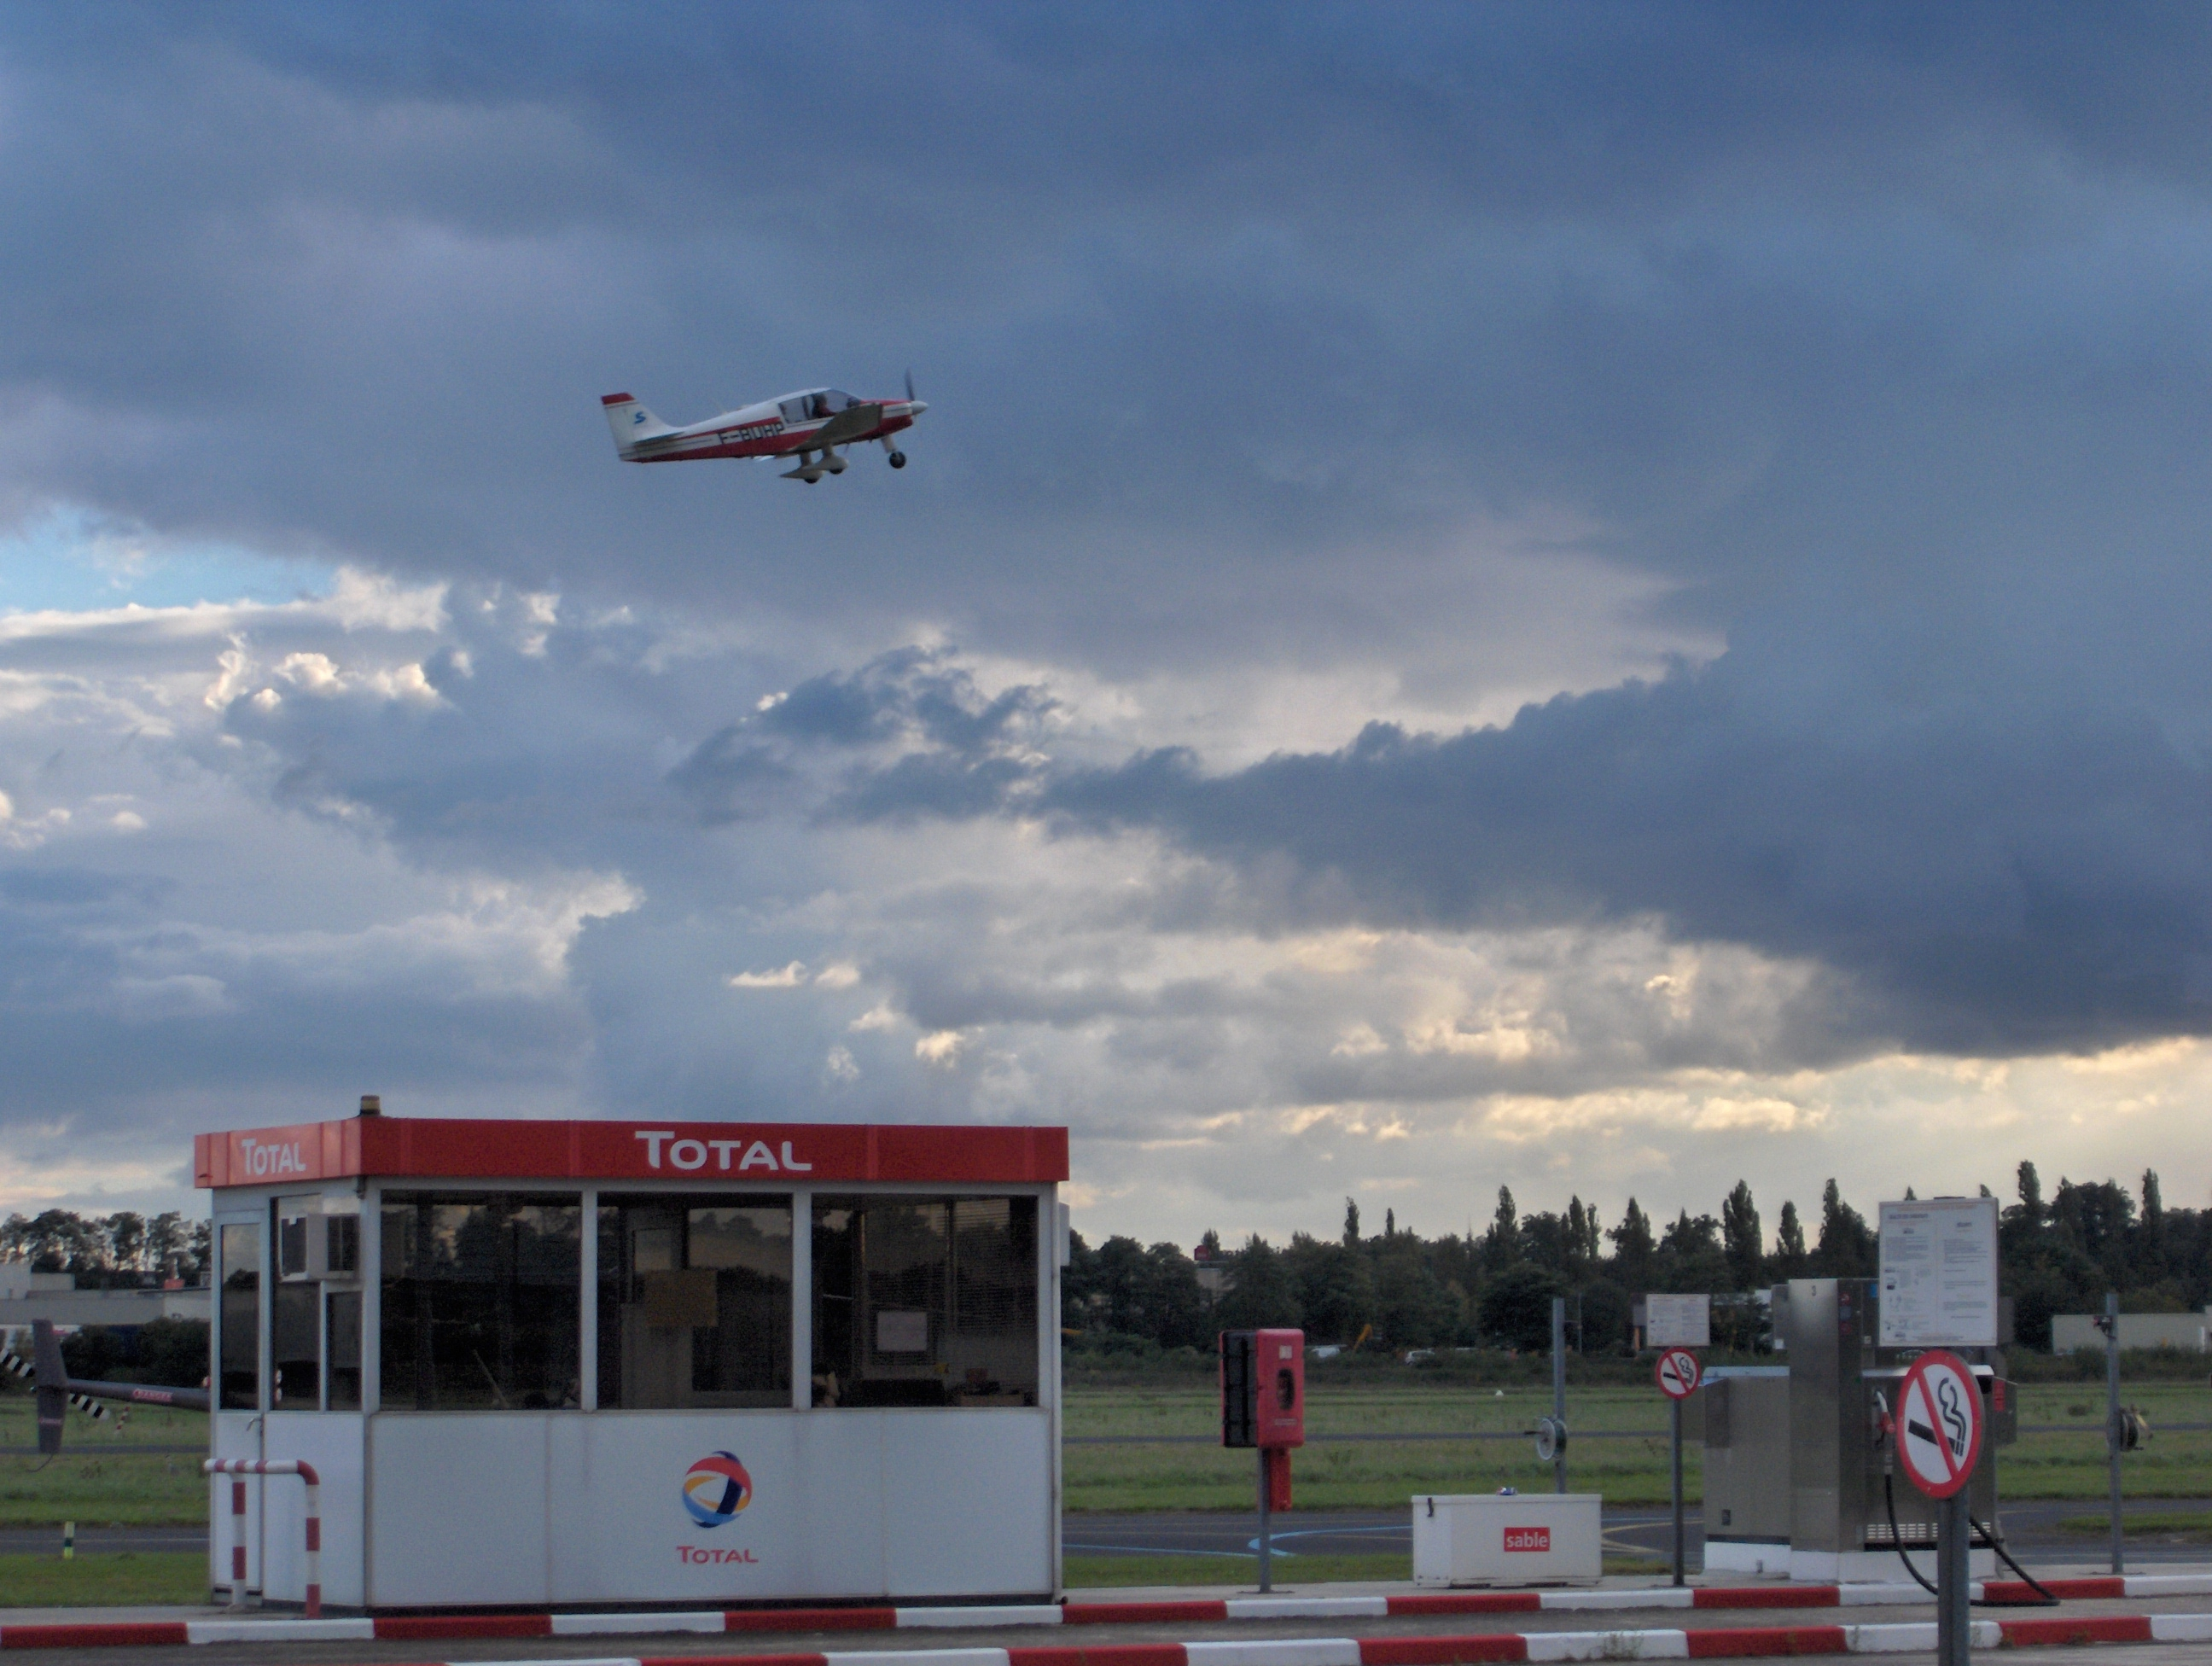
(817,406)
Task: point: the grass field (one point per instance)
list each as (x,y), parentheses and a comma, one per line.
(98,1480)
(1290,1573)
(2177,1464)
(2173,1527)
(108,1581)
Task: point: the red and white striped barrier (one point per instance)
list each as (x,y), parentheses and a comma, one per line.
(452,1626)
(1717,1643)
(240,1467)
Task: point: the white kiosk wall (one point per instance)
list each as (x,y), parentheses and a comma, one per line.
(820,1362)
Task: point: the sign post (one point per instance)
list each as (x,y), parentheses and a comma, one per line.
(1263,1405)
(1939,1441)
(2115,1431)
(1559,1391)
(1678,1373)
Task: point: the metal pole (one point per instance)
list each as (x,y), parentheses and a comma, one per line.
(1559,1389)
(1267,1580)
(2112,1420)
(1676,1406)
(1953,1589)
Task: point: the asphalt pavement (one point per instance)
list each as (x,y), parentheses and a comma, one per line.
(390,1651)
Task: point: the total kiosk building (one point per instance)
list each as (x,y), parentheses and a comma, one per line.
(566,1362)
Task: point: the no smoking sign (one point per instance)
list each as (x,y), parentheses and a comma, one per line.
(1939,1424)
(1678,1372)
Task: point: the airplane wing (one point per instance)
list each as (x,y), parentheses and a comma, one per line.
(848,424)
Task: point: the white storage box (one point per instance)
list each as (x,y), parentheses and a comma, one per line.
(1492,1539)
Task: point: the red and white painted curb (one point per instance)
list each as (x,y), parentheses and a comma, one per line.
(1711,1643)
(120,1634)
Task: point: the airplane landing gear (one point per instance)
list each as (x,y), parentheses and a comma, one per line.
(898,459)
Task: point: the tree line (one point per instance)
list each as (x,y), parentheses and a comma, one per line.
(1494,1288)
(109,1251)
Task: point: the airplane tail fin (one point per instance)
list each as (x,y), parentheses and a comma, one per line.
(52,1379)
(631,421)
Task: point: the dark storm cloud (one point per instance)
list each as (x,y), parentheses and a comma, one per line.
(1871,343)
(2016,882)
(1207,307)
(921,698)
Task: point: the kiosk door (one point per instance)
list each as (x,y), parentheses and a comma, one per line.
(240,1380)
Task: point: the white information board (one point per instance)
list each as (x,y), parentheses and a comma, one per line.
(1678,1321)
(1939,1273)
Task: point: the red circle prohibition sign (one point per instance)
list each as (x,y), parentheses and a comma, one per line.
(1939,1423)
(1678,1372)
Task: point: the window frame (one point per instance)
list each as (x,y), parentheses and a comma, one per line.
(943,1333)
(254,1215)
(235,1206)
(415,1194)
(685,1201)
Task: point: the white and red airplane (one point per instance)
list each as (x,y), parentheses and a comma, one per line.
(810,426)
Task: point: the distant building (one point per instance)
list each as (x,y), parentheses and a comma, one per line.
(24,1296)
(2189,1333)
(1215,1273)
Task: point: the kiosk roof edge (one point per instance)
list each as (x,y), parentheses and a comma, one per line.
(445,1148)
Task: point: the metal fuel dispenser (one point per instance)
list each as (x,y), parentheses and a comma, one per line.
(1796,1455)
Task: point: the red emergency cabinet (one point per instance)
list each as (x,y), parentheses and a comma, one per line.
(1263,1388)
(1263,1400)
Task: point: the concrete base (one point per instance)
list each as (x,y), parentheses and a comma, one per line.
(1770,1557)
(1875,1567)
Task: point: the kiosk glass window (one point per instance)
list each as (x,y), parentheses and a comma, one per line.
(695,1301)
(344,1345)
(925,1301)
(295,1383)
(240,1256)
(481,1301)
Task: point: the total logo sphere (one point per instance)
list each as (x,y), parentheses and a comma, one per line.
(716,1488)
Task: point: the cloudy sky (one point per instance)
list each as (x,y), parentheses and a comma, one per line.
(1601,598)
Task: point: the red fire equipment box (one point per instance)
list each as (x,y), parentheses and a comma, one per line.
(1263,1388)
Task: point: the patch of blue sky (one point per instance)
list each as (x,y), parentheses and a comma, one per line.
(72,561)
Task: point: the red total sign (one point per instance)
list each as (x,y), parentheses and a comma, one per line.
(1939,1423)
(1678,1373)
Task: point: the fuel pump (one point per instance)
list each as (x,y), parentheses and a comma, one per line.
(1882,1432)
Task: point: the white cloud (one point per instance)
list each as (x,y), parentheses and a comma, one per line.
(783,977)
(314,672)
(941,1048)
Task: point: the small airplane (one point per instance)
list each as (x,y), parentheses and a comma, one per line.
(810,425)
